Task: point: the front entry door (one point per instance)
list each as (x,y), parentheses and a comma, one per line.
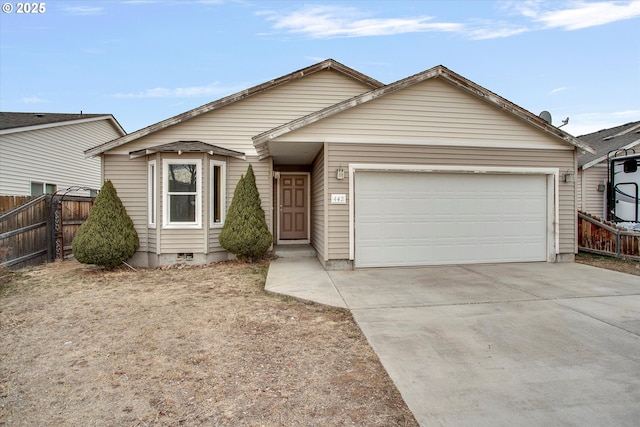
(293,207)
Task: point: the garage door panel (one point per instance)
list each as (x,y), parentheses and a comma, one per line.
(405,219)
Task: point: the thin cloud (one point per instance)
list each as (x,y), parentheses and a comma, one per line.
(582,124)
(84,10)
(315,58)
(489,32)
(175,2)
(557,90)
(323,22)
(33,100)
(577,15)
(182,92)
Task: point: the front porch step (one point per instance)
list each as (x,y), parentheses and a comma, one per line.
(294,251)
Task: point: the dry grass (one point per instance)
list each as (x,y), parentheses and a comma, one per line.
(192,346)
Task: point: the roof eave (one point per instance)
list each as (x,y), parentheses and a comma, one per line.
(175,148)
(109,117)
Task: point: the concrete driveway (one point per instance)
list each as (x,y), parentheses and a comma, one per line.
(504,345)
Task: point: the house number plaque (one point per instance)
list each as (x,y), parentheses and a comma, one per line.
(338,199)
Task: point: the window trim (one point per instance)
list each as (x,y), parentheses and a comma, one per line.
(166,222)
(223,193)
(152,188)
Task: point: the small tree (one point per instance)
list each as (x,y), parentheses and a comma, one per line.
(245,232)
(108,237)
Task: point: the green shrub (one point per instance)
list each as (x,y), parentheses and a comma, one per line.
(108,237)
(245,232)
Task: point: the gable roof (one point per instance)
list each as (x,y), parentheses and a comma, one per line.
(186,147)
(607,140)
(328,64)
(20,122)
(261,141)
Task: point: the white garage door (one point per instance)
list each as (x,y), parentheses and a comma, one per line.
(408,219)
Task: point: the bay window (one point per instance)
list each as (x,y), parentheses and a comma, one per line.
(182,193)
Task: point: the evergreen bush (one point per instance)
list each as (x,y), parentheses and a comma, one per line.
(108,237)
(245,232)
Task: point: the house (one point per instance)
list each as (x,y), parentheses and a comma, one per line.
(44,152)
(431,169)
(593,167)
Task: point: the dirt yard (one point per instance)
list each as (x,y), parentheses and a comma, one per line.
(182,346)
(624,266)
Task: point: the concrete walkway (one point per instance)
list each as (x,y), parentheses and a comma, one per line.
(493,345)
(303,278)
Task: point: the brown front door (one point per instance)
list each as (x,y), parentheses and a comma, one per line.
(293,207)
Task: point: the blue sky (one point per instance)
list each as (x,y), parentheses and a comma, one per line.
(144,61)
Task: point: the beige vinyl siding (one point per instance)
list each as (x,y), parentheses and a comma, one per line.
(592,201)
(343,154)
(318,203)
(234,125)
(129,177)
(53,155)
(182,240)
(428,113)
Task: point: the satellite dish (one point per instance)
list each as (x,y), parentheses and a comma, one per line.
(546,116)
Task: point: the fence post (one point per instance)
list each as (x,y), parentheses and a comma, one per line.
(58,235)
(48,229)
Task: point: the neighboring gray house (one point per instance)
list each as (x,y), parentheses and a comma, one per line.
(592,167)
(431,169)
(44,152)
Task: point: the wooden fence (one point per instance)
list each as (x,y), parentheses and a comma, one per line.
(41,230)
(8,203)
(603,238)
(24,234)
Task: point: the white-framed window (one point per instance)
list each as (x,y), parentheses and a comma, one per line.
(218,173)
(182,191)
(40,188)
(152,188)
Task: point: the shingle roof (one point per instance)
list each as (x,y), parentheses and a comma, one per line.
(607,140)
(18,120)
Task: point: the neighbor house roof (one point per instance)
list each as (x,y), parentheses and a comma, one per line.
(186,147)
(328,64)
(621,137)
(261,141)
(21,122)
